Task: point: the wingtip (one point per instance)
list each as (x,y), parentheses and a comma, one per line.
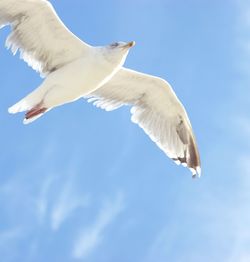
(196,172)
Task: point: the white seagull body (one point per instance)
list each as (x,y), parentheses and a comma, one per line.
(74,69)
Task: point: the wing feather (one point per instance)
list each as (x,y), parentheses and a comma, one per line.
(156,109)
(45,43)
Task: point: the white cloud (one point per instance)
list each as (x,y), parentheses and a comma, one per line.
(242,123)
(162,244)
(244,7)
(42,200)
(10,235)
(225,214)
(67,202)
(242,35)
(245,257)
(241,213)
(90,237)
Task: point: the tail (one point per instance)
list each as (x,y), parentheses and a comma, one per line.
(33,104)
(21,106)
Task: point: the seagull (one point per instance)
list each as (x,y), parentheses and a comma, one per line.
(73,69)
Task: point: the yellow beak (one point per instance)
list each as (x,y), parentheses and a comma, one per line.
(130,44)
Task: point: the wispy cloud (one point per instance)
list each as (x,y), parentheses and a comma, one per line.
(241,213)
(68,201)
(225,215)
(42,199)
(162,244)
(9,239)
(10,235)
(38,196)
(245,257)
(90,237)
(244,7)
(243,36)
(242,122)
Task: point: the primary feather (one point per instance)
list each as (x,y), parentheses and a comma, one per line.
(156,109)
(44,41)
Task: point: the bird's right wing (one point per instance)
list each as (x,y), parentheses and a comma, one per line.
(45,43)
(156,109)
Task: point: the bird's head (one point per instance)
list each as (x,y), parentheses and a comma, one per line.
(118,51)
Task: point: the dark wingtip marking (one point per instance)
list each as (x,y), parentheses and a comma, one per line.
(191,155)
(194,158)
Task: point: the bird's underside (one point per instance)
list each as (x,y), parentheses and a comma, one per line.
(47,45)
(156,109)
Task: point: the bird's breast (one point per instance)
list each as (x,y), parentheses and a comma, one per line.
(77,79)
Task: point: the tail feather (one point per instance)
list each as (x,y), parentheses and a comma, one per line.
(29,101)
(21,106)
(32,104)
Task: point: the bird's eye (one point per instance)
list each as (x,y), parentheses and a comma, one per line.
(114,45)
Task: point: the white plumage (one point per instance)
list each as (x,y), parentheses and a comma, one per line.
(44,41)
(156,109)
(74,69)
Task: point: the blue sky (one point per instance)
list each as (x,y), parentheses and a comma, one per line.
(81,184)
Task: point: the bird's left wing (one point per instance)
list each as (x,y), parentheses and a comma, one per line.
(156,109)
(44,41)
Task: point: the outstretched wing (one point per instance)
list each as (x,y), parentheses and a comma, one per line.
(156,109)
(42,38)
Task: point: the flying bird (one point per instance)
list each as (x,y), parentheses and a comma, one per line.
(74,69)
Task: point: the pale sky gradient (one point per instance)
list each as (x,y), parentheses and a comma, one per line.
(81,184)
